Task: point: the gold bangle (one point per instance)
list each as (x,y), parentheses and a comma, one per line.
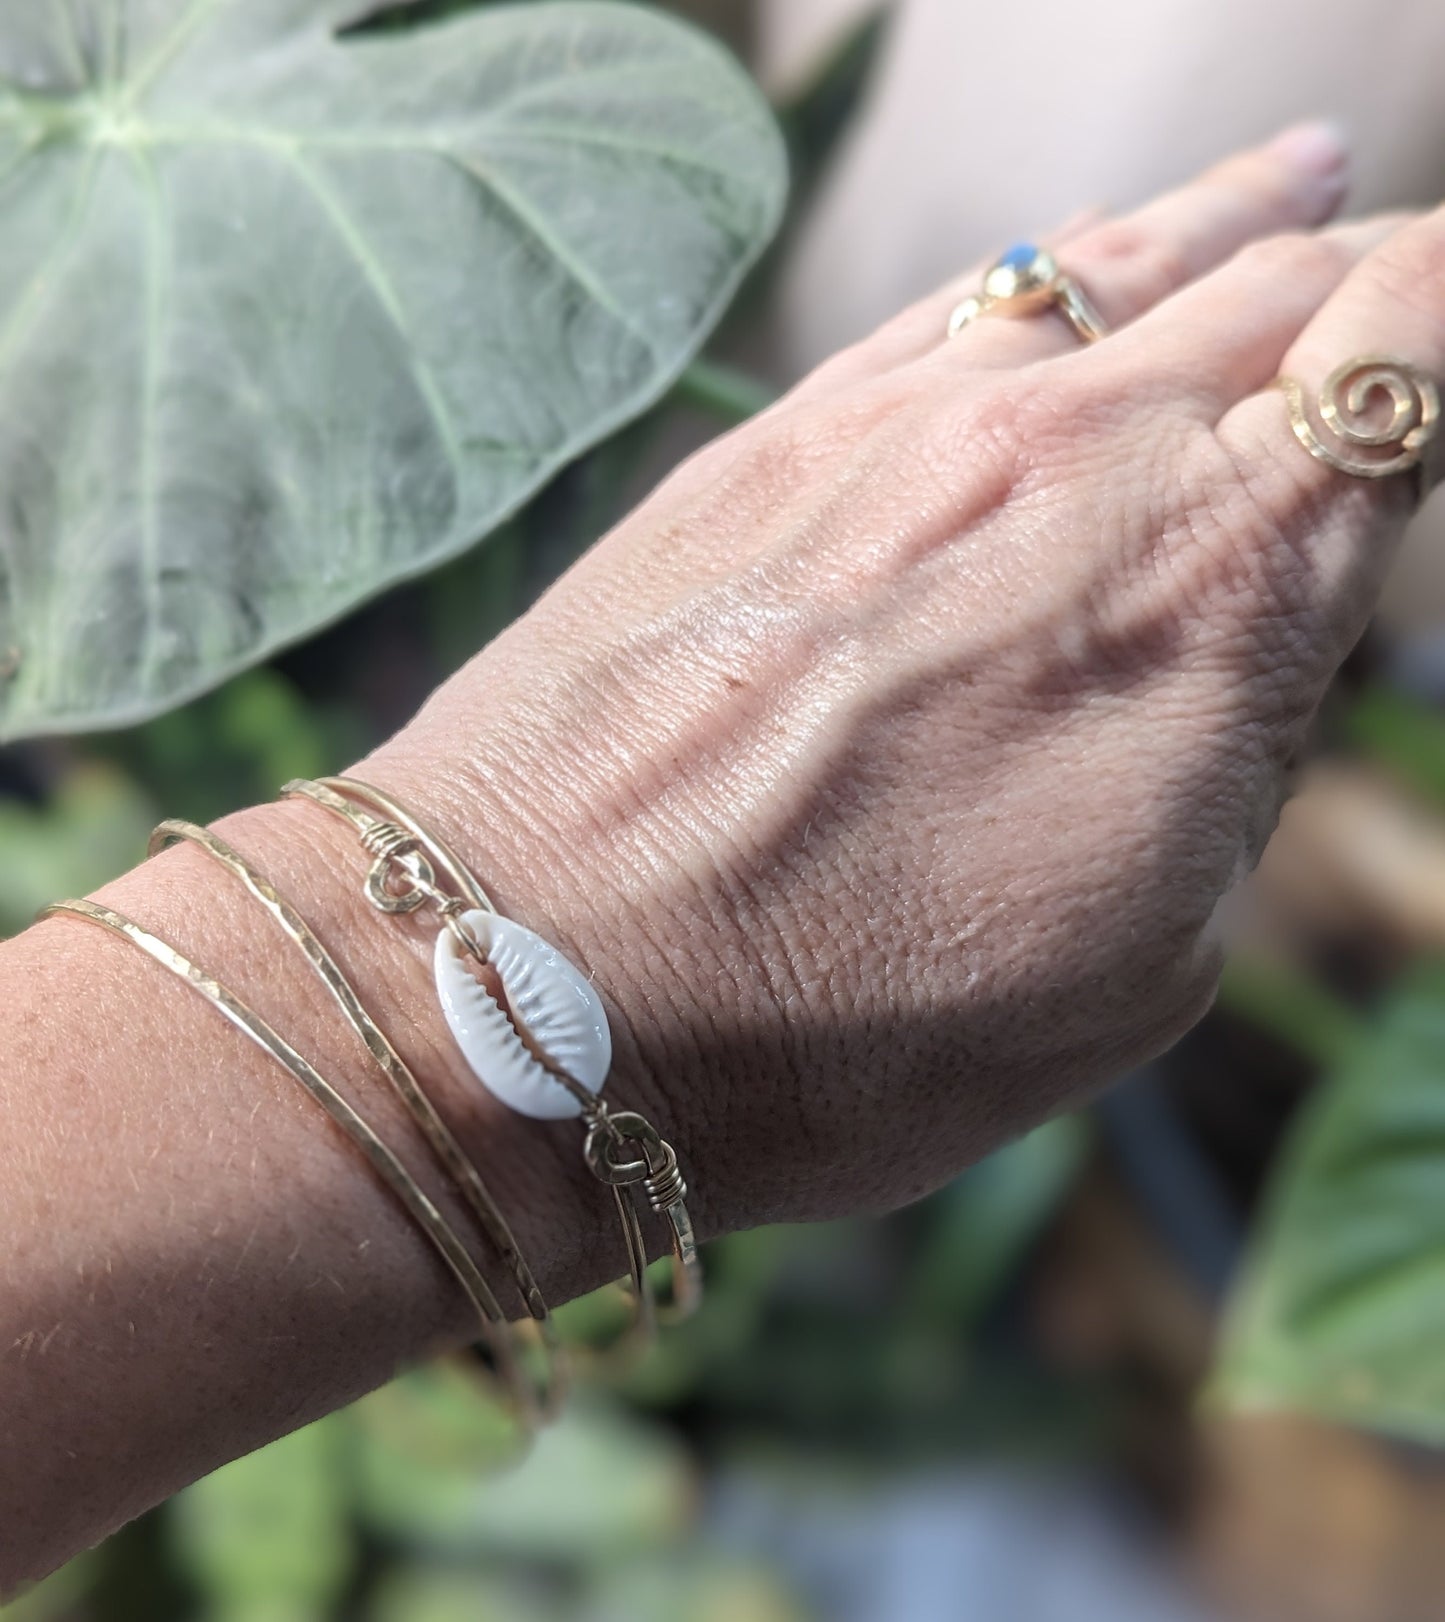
(545,1401)
(621,1148)
(403,1186)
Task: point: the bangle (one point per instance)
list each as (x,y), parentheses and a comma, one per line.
(544,1401)
(383,1161)
(412,867)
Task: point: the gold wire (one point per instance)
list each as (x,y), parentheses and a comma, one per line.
(332,792)
(653,1173)
(545,1402)
(384,1162)
(1399,444)
(376,837)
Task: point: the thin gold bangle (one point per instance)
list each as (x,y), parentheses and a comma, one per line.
(546,1401)
(604,1126)
(331,793)
(405,852)
(403,1186)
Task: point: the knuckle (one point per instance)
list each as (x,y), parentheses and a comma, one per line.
(1090,412)
(1140,251)
(1408,272)
(1293,255)
(1045,431)
(1229,533)
(971,449)
(794,440)
(1012,428)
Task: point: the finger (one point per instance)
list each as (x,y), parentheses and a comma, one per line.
(1391,303)
(1227,334)
(1128,265)
(1306,546)
(919,327)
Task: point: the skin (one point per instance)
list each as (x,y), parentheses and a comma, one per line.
(983,125)
(885,769)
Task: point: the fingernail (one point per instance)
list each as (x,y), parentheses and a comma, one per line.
(1319,147)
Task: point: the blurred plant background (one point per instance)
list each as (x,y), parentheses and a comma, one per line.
(1197,1327)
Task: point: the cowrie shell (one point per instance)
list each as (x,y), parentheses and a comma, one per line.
(549,998)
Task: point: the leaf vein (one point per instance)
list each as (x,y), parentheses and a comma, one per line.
(351,233)
(29,302)
(582,273)
(199,12)
(561,134)
(72,41)
(155,301)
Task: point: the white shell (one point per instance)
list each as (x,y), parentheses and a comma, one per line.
(549,997)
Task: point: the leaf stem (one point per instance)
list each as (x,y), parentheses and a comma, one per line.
(723,392)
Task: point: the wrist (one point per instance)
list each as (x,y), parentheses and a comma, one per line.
(319,864)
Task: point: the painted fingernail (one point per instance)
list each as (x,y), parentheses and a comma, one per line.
(1319,147)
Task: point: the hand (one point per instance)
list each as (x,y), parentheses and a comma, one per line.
(885,769)
(887,766)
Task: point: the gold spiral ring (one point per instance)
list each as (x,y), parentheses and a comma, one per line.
(1360,439)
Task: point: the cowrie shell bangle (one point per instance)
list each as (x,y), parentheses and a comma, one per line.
(529,1024)
(550,1009)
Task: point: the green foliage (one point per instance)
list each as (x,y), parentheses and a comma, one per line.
(656,1589)
(599,1486)
(1341,1309)
(94,826)
(286,317)
(402,1508)
(1295,1008)
(251,733)
(1403,734)
(417,1592)
(723,392)
(990,1216)
(57,1598)
(710,1590)
(269,1538)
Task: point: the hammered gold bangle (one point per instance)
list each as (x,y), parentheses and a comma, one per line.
(545,1401)
(384,1162)
(410,868)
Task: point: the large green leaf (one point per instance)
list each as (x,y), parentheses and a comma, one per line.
(1341,1308)
(286,316)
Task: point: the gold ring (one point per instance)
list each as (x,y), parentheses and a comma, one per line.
(1027,280)
(1360,437)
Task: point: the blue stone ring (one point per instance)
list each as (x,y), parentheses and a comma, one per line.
(1027,281)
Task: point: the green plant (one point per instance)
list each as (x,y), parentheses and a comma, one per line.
(1337,1308)
(286,316)
(1341,1306)
(873,1342)
(383,1511)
